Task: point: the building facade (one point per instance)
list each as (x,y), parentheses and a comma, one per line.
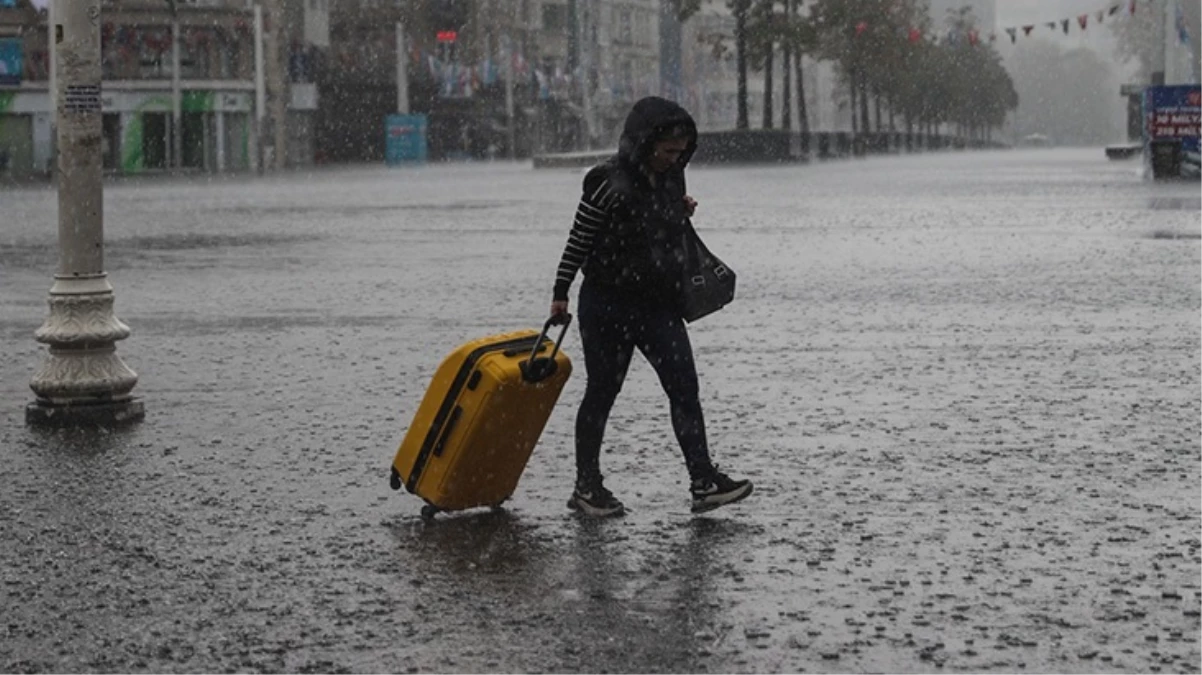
(218,126)
(561,73)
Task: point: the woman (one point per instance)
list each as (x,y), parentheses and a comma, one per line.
(633,208)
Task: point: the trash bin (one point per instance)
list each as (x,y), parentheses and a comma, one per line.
(1165,157)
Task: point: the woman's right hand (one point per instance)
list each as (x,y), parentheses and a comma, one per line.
(559,308)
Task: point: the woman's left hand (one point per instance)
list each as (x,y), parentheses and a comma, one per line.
(690,206)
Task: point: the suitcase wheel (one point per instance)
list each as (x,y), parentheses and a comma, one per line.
(395,480)
(429,511)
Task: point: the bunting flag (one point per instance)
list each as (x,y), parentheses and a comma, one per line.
(973,36)
(1082,20)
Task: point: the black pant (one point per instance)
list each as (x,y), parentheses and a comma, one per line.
(612,323)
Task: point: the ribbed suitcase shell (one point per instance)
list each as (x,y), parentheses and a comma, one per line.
(478,423)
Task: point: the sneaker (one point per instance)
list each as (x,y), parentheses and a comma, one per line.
(716,490)
(595,501)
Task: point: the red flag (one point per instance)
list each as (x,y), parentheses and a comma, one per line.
(861,27)
(915,35)
(973,37)
(1083,19)
(1027,29)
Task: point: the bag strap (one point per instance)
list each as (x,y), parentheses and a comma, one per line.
(691,233)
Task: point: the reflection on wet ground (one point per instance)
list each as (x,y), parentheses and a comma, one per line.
(1175,203)
(1164,234)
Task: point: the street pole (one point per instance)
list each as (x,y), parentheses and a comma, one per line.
(277,83)
(51,22)
(177,142)
(82,381)
(260,91)
(586,64)
(509,96)
(402,71)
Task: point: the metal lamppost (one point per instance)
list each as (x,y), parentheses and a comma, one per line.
(82,381)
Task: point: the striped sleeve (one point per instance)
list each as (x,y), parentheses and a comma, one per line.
(591,215)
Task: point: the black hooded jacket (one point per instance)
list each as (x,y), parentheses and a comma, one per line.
(626,227)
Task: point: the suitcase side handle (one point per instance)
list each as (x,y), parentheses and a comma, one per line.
(446,431)
(535,369)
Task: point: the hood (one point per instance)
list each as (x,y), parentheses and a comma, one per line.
(647,118)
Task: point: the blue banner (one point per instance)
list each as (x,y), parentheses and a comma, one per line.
(1172,127)
(405,139)
(1174,113)
(11,60)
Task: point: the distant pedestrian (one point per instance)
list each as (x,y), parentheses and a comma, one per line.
(633,207)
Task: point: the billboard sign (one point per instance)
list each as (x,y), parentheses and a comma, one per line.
(1172,118)
(405,139)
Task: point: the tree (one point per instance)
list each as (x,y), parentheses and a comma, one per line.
(764,30)
(786,63)
(802,39)
(880,51)
(740,9)
(863,39)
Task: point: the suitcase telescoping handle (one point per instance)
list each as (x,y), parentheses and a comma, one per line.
(535,369)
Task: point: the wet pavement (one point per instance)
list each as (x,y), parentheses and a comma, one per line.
(966,386)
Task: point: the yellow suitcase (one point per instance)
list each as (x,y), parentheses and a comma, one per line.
(480,419)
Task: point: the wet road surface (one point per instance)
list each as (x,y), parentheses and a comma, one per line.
(966,386)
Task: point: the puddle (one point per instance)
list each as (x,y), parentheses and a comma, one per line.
(1175,203)
(1183,236)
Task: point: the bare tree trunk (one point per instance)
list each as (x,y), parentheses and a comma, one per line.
(853,86)
(786,76)
(768,63)
(864,121)
(741,61)
(803,118)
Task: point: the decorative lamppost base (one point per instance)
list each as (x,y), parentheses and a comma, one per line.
(108,414)
(83,382)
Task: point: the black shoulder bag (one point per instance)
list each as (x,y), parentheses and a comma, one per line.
(707,284)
